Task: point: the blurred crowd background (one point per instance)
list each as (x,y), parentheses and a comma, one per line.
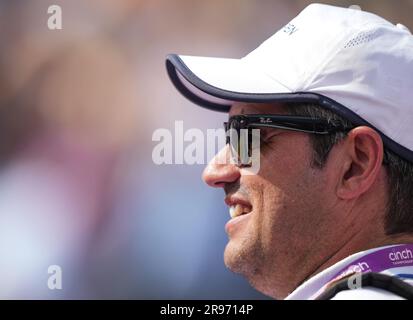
(78,106)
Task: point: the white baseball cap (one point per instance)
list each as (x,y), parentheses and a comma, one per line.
(350,61)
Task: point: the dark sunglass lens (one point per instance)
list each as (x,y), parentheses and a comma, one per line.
(239,137)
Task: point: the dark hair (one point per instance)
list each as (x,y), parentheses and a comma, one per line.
(398,215)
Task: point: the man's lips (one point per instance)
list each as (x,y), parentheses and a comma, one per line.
(239,210)
(237,206)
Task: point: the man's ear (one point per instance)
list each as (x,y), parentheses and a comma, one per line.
(362,160)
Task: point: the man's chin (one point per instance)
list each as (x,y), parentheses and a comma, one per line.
(238,261)
(236,258)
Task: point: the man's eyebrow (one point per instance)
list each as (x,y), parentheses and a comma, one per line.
(251,110)
(242,111)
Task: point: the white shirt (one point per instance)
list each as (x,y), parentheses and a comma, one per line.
(316,285)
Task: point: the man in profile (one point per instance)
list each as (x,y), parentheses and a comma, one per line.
(333,197)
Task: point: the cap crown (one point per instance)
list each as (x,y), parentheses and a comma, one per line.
(354,57)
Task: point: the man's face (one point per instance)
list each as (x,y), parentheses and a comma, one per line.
(275,240)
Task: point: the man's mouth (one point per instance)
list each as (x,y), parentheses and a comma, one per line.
(237,206)
(238,210)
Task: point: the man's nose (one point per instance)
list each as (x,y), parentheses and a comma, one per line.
(220,171)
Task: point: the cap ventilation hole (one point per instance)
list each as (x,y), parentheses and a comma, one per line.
(361,38)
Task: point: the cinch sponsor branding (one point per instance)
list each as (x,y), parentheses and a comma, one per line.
(355,268)
(401,255)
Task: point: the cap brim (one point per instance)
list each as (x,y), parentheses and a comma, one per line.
(215,83)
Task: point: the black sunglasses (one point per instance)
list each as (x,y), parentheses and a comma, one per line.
(239,133)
